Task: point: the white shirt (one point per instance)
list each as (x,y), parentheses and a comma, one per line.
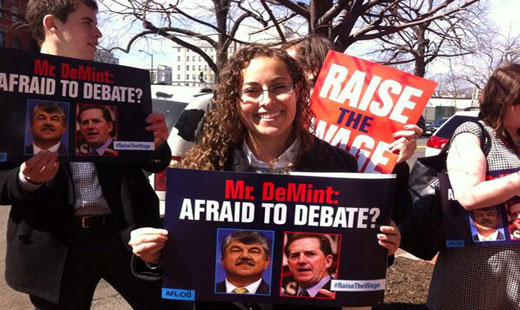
(492,237)
(287,157)
(53,148)
(251,288)
(314,290)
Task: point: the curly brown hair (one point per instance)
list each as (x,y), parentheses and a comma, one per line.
(222,125)
(501,91)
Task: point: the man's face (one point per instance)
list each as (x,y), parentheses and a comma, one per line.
(486,219)
(245,260)
(94,127)
(47,128)
(307,262)
(78,36)
(514,214)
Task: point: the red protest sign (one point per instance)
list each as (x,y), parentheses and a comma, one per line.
(358,104)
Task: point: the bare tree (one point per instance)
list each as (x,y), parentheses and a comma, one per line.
(347,21)
(187,23)
(424,43)
(493,49)
(216,22)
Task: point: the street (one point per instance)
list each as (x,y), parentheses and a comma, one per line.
(105,297)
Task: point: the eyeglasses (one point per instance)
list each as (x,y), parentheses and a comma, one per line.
(256,94)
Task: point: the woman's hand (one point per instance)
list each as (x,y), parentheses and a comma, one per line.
(406,142)
(390,238)
(148,242)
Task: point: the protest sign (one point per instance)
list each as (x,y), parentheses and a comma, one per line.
(359,104)
(493,225)
(276,218)
(84,110)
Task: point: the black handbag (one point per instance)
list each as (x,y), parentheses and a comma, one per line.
(422,232)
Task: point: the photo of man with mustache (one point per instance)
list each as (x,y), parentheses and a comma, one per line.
(245,256)
(486,222)
(48,124)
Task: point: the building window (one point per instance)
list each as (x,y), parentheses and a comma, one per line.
(194,58)
(178,58)
(178,49)
(200,58)
(17,43)
(187,58)
(187,68)
(179,67)
(205,67)
(193,67)
(200,67)
(187,77)
(178,77)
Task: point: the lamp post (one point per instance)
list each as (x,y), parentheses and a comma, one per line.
(151,64)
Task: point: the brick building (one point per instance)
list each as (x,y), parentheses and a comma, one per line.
(13,32)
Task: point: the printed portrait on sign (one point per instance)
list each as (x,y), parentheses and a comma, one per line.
(96,130)
(243,261)
(513,216)
(310,263)
(46,127)
(486,224)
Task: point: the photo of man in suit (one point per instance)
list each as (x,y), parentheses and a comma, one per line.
(97,127)
(245,255)
(310,260)
(486,222)
(48,124)
(513,212)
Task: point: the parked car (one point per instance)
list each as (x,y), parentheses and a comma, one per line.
(444,133)
(431,128)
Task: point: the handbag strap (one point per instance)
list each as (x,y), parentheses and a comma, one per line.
(485,141)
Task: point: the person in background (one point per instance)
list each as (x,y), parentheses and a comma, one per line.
(483,277)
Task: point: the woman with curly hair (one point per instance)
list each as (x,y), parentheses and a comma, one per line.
(259,123)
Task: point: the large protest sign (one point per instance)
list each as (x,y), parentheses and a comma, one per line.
(339,215)
(359,104)
(86,111)
(493,225)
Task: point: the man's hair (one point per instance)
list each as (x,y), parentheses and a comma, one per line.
(512,202)
(106,112)
(495,208)
(502,90)
(246,237)
(37,9)
(49,107)
(311,52)
(325,246)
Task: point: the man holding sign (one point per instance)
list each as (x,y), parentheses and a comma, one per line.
(67,220)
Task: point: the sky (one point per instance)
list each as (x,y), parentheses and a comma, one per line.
(503,12)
